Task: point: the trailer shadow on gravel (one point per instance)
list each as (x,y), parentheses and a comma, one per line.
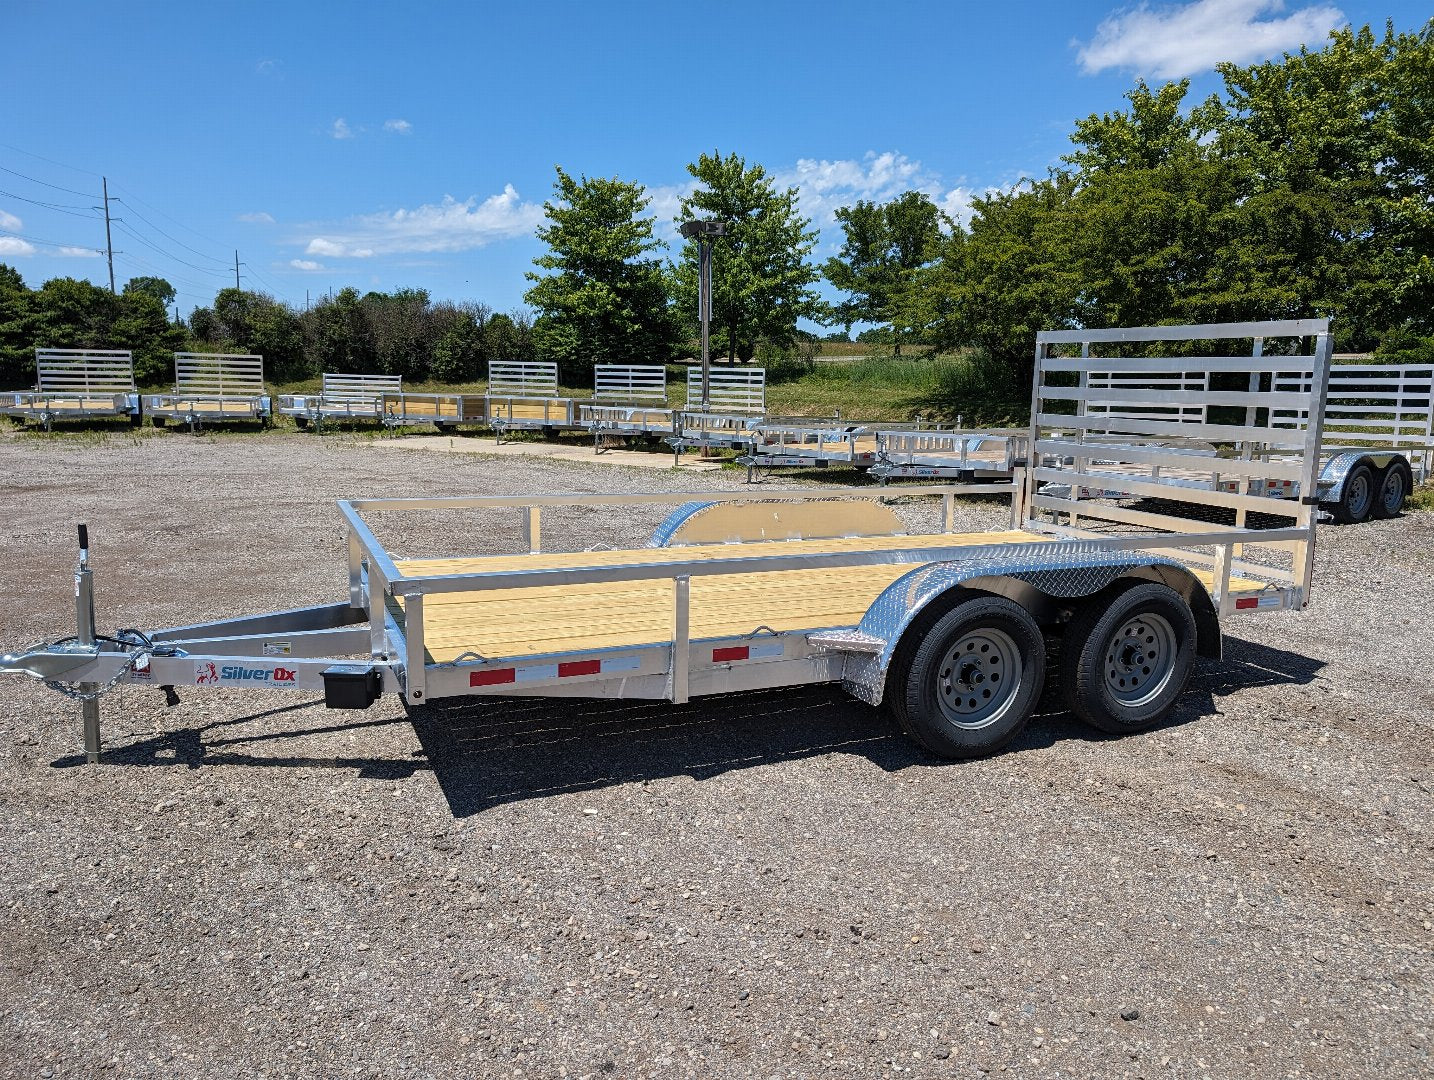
(495,751)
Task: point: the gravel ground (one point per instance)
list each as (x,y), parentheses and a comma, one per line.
(769,885)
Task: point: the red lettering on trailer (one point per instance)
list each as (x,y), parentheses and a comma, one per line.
(492,677)
(282,674)
(579,667)
(732,652)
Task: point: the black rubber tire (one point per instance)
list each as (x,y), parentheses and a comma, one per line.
(1357,497)
(1395,484)
(921,686)
(1097,628)
(301,422)
(159,421)
(136,419)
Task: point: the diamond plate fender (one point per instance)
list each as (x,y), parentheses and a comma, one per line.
(1038,578)
(1337,468)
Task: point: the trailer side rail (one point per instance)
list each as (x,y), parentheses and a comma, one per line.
(1373,407)
(342,397)
(628,399)
(213,387)
(76,383)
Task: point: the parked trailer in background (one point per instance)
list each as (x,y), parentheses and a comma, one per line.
(523,395)
(736,403)
(77,384)
(809,444)
(1378,436)
(341,397)
(212,388)
(628,400)
(968,456)
(443,411)
(742,591)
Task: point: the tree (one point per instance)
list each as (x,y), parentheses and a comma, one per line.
(253,322)
(402,332)
(142,325)
(460,350)
(156,287)
(17,331)
(760,277)
(886,245)
(606,301)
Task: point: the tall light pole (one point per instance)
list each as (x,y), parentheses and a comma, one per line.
(703,232)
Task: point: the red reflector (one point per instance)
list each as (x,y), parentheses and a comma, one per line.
(492,678)
(732,652)
(579,667)
(1248,602)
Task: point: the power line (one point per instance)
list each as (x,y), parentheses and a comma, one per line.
(48,243)
(64,208)
(44,183)
(166,217)
(50,161)
(156,228)
(159,250)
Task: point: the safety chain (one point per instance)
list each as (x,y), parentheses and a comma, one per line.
(90,695)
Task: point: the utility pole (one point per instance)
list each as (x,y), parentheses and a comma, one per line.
(109,245)
(703,232)
(236,269)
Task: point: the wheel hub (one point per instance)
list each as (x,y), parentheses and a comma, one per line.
(1140,659)
(978,677)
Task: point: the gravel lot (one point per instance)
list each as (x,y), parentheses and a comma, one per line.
(770,885)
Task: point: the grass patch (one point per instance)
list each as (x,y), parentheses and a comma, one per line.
(1422,497)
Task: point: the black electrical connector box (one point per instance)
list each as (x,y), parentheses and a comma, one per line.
(351,686)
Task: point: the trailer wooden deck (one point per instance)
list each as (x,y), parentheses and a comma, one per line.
(509,623)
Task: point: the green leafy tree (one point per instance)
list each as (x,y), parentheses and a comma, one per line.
(886,245)
(142,325)
(17,330)
(460,350)
(761,280)
(156,287)
(252,322)
(402,331)
(606,298)
(337,337)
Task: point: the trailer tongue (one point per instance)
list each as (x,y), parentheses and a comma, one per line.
(739,591)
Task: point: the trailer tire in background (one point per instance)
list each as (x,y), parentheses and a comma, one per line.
(1357,497)
(136,419)
(973,678)
(301,422)
(1127,655)
(1395,484)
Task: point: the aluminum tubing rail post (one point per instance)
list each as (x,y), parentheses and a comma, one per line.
(681,638)
(85,633)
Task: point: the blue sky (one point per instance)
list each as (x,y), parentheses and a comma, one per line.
(389,145)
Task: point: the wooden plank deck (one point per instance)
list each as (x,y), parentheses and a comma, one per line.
(504,623)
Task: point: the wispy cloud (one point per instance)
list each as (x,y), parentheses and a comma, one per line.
(341,129)
(398,127)
(10,221)
(1169,42)
(824,186)
(450,225)
(79,253)
(268,67)
(13,245)
(306,264)
(258,217)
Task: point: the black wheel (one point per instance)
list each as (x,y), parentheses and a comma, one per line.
(1125,660)
(301,422)
(136,419)
(159,421)
(1394,486)
(1356,500)
(972,680)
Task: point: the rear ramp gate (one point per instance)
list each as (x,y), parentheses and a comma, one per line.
(629,400)
(212,388)
(741,591)
(342,397)
(736,404)
(523,395)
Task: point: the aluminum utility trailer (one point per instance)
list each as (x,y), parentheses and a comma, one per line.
(808,444)
(524,395)
(736,403)
(967,456)
(77,384)
(628,400)
(443,411)
(741,591)
(1378,438)
(341,397)
(212,388)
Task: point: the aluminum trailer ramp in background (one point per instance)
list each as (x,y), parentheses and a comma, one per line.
(946,628)
(77,384)
(212,388)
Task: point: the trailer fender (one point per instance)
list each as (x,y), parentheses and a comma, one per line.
(1332,476)
(776,519)
(1038,581)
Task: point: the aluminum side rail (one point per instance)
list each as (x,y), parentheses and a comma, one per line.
(444,411)
(212,388)
(342,397)
(76,384)
(962,455)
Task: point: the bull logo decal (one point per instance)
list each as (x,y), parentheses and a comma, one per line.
(205,673)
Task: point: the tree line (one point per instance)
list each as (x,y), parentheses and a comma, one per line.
(1300,190)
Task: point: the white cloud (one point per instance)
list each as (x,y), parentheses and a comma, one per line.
(79,252)
(1169,42)
(13,245)
(305,264)
(258,217)
(824,186)
(398,127)
(11,222)
(447,226)
(268,67)
(341,129)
